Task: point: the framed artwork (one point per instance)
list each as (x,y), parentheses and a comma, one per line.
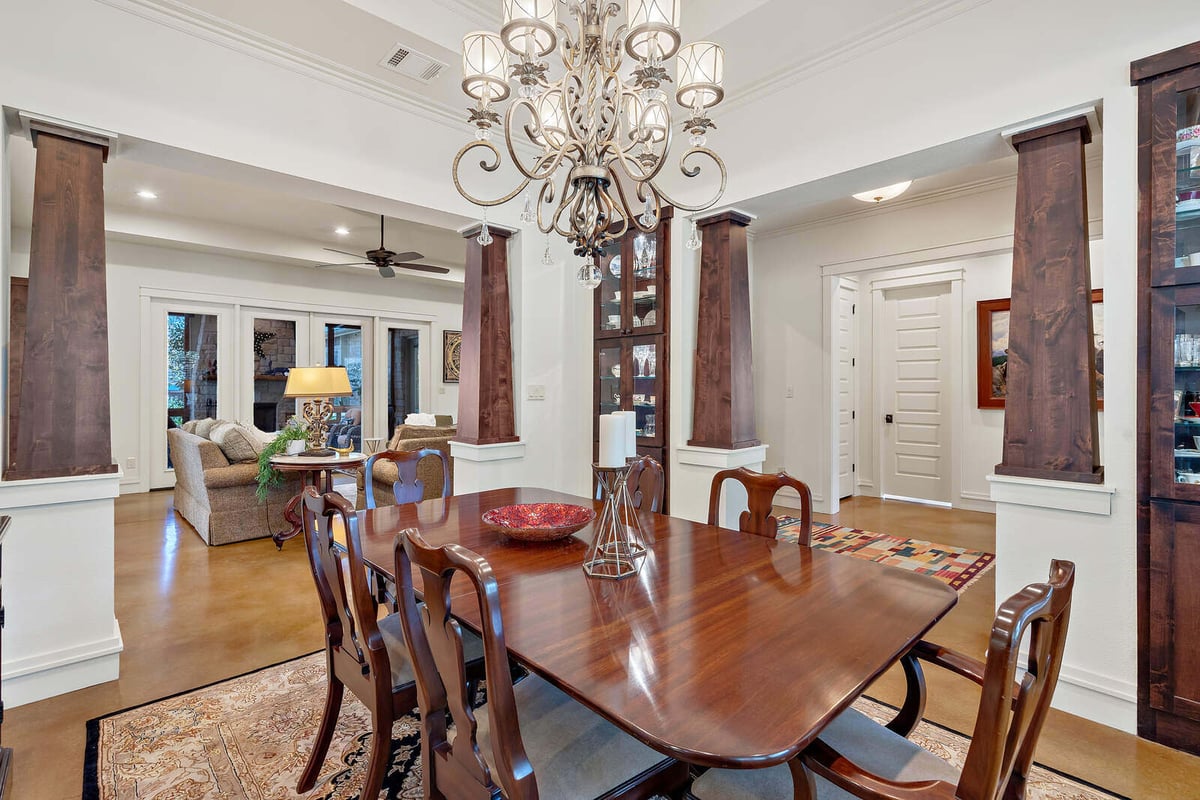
(451,355)
(992,317)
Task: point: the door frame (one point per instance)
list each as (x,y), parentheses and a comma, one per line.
(317,353)
(848,282)
(246,361)
(877,287)
(379,397)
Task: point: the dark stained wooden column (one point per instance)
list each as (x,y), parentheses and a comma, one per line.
(1050,427)
(485,388)
(723,383)
(63,405)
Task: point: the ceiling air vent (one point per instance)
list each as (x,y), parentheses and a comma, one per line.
(410,63)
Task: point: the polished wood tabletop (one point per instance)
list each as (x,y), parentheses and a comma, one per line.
(727,649)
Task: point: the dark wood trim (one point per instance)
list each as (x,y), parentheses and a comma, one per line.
(64,401)
(18,303)
(485,394)
(1159,64)
(1074,123)
(723,381)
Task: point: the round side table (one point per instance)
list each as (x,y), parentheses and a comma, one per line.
(314,471)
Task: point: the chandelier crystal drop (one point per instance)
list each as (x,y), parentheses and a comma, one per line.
(594,140)
(589,274)
(547,258)
(693,240)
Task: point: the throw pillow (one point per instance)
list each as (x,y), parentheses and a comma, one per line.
(424,420)
(238,444)
(204,428)
(190,425)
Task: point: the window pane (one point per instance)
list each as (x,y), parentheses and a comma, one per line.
(1187,394)
(403,387)
(191,368)
(344,348)
(274,354)
(1187,180)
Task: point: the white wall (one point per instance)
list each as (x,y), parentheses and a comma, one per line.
(139,272)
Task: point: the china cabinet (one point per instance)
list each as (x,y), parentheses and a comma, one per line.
(1169,397)
(632,327)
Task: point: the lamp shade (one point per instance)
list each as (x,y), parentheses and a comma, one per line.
(653,29)
(646,119)
(553,132)
(318,382)
(485,66)
(701,71)
(529,26)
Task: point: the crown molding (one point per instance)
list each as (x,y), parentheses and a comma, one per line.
(872,37)
(480,13)
(211,28)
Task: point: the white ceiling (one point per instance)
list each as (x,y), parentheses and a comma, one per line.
(294,228)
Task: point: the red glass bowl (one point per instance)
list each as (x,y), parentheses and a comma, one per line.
(538,522)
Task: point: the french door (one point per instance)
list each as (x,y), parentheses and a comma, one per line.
(271,342)
(404,369)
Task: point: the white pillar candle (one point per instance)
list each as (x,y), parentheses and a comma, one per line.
(612,441)
(630,432)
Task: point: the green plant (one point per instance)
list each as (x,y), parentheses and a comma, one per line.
(268,476)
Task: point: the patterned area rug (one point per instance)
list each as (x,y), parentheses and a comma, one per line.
(247,738)
(956,567)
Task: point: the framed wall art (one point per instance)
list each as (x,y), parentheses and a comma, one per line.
(451,355)
(992,319)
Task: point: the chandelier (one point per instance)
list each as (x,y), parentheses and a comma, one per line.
(599,135)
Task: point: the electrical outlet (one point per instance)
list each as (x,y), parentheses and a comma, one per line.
(536,392)
(131,464)
(789,393)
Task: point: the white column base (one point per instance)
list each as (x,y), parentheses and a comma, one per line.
(479,467)
(60,632)
(1040,520)
(692,481)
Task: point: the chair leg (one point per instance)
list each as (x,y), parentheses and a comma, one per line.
(333,706)
(381,754)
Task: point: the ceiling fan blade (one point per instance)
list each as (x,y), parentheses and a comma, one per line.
(343,252)
(422,268)
(351,264)
(387,272)
(409,256)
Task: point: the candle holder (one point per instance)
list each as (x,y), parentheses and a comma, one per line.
(618,543)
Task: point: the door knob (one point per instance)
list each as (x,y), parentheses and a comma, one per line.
(887,418)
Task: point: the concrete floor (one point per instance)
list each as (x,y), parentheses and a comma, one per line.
(192,615)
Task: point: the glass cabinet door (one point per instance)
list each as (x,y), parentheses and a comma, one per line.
(646,398)
(1175,239)
(610,319)
(648,252)
(609,375)
(1175,401)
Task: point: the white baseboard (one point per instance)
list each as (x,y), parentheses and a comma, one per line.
(55,672)
(1096,697)
(976,501)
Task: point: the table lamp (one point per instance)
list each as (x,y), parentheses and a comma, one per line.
(316,385)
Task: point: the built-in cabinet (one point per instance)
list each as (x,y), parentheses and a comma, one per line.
(1169,398)
(631,329)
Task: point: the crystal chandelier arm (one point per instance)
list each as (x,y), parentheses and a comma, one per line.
(692,172)
(626,213)
(547,166)
(469,146)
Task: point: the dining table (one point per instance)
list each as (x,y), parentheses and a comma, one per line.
(726,649)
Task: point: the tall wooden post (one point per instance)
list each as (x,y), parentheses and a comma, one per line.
(1050,427)
(723,382)
(63,405)
(485,389)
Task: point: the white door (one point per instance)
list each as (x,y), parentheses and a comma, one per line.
(914,370)
(847,416)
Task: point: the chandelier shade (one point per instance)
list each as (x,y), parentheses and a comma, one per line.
(701,72)
(653,29)
(529,27)
(594,139)
(485,67)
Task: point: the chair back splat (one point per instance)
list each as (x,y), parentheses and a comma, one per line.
(459,770)
(408,488)
(647,485)
(760,496)
(1011,713)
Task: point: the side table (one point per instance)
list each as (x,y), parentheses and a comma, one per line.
(314,471)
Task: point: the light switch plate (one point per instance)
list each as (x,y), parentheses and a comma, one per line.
(536,392)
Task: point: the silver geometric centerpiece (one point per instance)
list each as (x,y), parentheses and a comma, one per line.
(618,545)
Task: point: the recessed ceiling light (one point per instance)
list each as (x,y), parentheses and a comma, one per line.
(342,230)
(886,193)
(146,194)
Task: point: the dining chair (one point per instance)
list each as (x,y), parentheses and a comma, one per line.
(364,652)
(407,488)
(760,496)
(857,756)
(529,740)
(646,481)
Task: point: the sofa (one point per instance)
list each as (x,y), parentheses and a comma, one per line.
(218,497)
(429,470)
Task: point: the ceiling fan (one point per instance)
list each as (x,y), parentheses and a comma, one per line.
(384,260)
